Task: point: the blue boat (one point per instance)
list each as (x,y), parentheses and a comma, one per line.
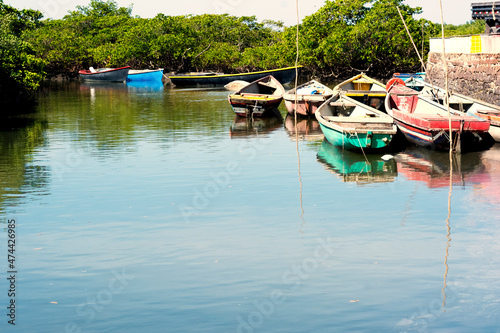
(414,81)
(145,75)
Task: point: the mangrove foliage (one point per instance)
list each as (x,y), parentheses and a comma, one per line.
(21,67)
(340,38)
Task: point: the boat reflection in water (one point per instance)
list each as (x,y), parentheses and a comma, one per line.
(433,167)
(145,86)
(354,167)
(249,126)
(307,129)
(489,191)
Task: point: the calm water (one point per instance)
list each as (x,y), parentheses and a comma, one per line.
(155,210)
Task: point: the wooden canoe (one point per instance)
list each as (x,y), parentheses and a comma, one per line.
(426,123)
(105,74)
(257,98)
(306,98)
(352,125)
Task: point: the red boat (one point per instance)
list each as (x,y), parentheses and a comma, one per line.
(426,123)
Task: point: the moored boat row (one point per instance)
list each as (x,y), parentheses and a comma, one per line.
(362,113)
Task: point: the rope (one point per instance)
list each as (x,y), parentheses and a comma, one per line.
(446,101)
(296,130)
(428,75)
(411,38)
(360,146)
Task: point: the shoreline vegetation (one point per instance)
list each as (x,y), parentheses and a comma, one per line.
(341,39)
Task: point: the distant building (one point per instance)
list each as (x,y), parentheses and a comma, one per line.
(490,13)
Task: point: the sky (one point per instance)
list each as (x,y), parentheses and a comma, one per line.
(454,11)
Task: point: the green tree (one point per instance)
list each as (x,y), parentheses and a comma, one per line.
(469,28)
(100,9)
(21,72)
(341,38)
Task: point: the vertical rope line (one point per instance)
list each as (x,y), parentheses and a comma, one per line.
(428,74)
(411,38)
(296,106)
(423,68)
(296,59)
(446,101)
(448,232)
(447,96)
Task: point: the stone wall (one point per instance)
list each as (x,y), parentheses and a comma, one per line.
(476,75)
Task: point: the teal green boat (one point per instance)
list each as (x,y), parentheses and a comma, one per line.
(354,167)
(353,125)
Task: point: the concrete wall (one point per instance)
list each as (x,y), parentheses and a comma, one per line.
(473,66)
(468,44)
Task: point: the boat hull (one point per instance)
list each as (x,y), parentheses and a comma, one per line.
(256,106)
(305,107)
(426,123)
(439,139)
(306,98)
(356,141)
(283,75)
(352,125)
(153,75)
(111,75)
(257,97)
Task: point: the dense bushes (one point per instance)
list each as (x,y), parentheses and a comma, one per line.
(340,37)
(21,71)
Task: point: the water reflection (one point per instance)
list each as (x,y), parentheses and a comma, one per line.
(353,167)
(19,175)
(307,129)
(488,190)
(248,126)
(145,86)
(98,85)
(433,168)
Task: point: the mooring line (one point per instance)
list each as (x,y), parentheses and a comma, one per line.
(295,112)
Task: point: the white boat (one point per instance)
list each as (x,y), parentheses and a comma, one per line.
(105,74)
(306,98)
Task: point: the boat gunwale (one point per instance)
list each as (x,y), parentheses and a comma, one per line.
(230,75)
(88,72)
